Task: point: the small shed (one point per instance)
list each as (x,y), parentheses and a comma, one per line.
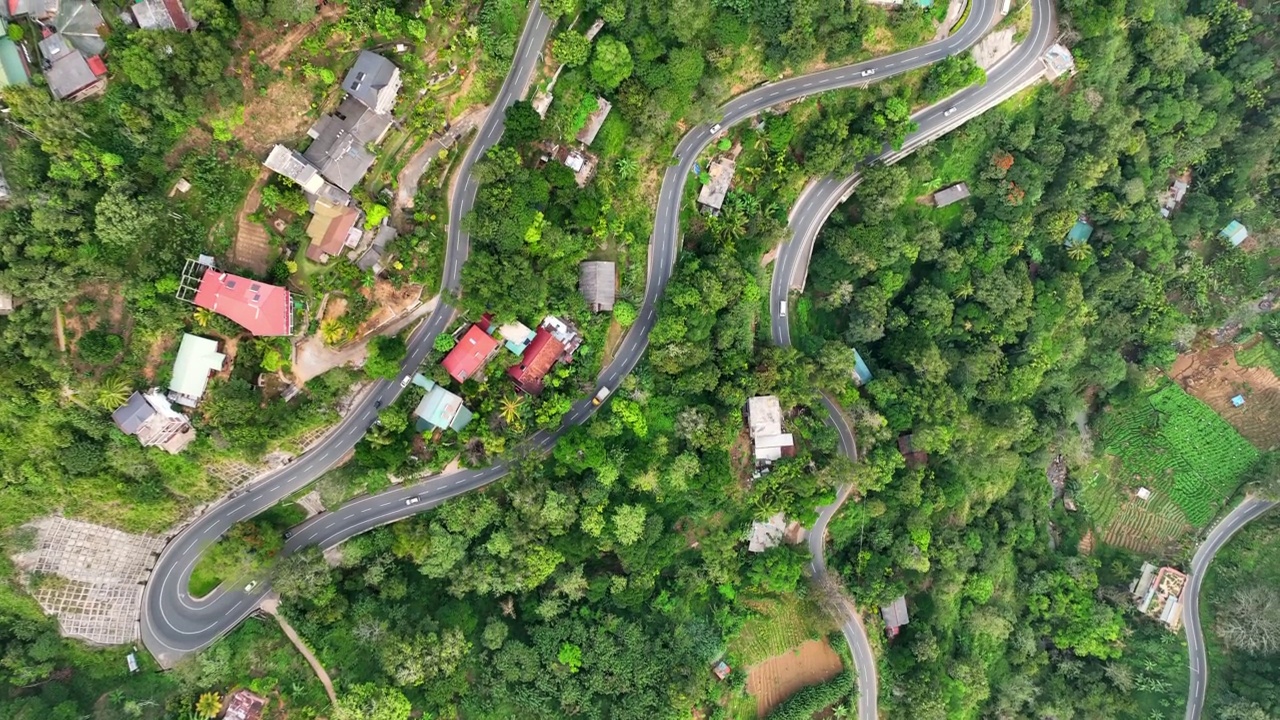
(895,615)
(1079,233)
(721,670)
(1144,493)
(1234,233)
(861,373)
(1238,401)
(948,195)
(712,194)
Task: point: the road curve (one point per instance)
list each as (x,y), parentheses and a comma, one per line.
(1247,511)
(174,624)
(815,204)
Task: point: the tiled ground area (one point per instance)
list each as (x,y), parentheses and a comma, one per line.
(89,577)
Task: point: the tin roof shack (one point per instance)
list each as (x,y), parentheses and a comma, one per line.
(149,417)
(244,705)
(767,534)
(13,71)
(721,670)
(597,281)
(948,195)
(70,74)
(861,373)
(764,418)
(162,15)
(1163,598)
(1234,233)
(1058,61)
(1079,233)
(720,173)
(1171,199)
(895,616)
(442,410)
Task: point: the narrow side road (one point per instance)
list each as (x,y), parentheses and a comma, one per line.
(1251,509)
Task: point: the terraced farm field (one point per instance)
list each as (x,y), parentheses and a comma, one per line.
(1174,445)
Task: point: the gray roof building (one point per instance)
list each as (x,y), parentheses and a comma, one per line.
(338,147)
(36,9)
(162,15)
(374,81)
(721,175)
(949,195)
(597,281)
(595,121)
(371,259)
(895,614)
(150,418)
(68,71)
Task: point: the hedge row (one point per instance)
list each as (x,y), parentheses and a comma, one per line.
(815,698)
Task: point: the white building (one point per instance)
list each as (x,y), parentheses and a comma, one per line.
(198,357)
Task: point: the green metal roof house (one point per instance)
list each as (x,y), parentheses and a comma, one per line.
(1235,233)
(1080,232)
(861,373)
(13,71)
(441,409)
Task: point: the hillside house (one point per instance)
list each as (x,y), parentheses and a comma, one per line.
(291,164)
(516,336)
(1172,198)
(595,121)
(70,73)
(720,176)
(721,670)
(340,142)
(767,534)
(198,357)
(244,705)
(6,302)
(442,410)
(262,309)
(895,616)
(39,10)
(149,417)
(13,71)
(162,15)
(949,195)
(468,357)
(1161,597)
(764,419)
(1234,233)
(861,373)
(374,82)
(553,342)
(1058,61)
(332,228)
(597,281)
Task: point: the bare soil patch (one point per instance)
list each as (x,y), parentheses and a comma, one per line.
(390,302)
(252,248)
(777,678)
(155,356)
(108,311)
(1214,376)
(335,308)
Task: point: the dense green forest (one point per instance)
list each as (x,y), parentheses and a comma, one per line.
(604,579)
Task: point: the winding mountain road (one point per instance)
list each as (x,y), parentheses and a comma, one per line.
(175,624)
(1244,513)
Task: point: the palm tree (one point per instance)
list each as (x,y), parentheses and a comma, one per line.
(203,316)
(1079,251)
(841,711)
(627,168)
(209,705)
(963,290)
(511,409)
(112,393)
(331,332)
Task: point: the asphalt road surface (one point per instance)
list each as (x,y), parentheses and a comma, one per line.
(1245,512)
(174,624)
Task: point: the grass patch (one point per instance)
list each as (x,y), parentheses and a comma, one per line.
(1262,353)
(247,548)
(1171,442)
(778,626)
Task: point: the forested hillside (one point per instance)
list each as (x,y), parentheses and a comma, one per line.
(604,579)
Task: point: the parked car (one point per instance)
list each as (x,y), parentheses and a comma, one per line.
(782,309)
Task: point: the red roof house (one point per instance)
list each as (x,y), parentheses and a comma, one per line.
(244,705)
(470,354)
(260,308)
(536,361)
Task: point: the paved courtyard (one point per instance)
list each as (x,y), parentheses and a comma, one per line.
(89,577)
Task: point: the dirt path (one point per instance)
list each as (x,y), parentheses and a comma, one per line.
(954,10)
(280,47)
(57,324)
(252,248)
(271,606)
(407,182)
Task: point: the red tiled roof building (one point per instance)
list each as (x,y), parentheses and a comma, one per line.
(536,361)
(470,354)
(260,308)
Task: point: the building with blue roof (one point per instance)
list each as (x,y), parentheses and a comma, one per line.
(1079,233)
(861,373)
(442,410)
(1235,233)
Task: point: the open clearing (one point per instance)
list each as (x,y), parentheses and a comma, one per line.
(1215,376)
(778,678)
(780,625)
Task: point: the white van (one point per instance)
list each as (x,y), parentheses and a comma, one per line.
(782,309)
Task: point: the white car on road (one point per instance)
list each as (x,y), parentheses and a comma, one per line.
(715,128)
(249,588)
(404,381)
(950,111)
(868,73)
(413,501)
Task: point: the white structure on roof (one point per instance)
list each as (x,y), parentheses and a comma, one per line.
(764,418)
(292,165)
(197,358)
(517,336)
(767,534)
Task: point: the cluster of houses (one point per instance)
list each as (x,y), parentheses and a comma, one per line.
(1158,594)
(69,45)
(339,156)
(150,415)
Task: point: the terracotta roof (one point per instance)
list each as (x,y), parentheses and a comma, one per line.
(470,354)
(260,308)
(537,360)
(244,705)
(328,230)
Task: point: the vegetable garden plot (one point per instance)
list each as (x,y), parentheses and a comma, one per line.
(1176,445)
